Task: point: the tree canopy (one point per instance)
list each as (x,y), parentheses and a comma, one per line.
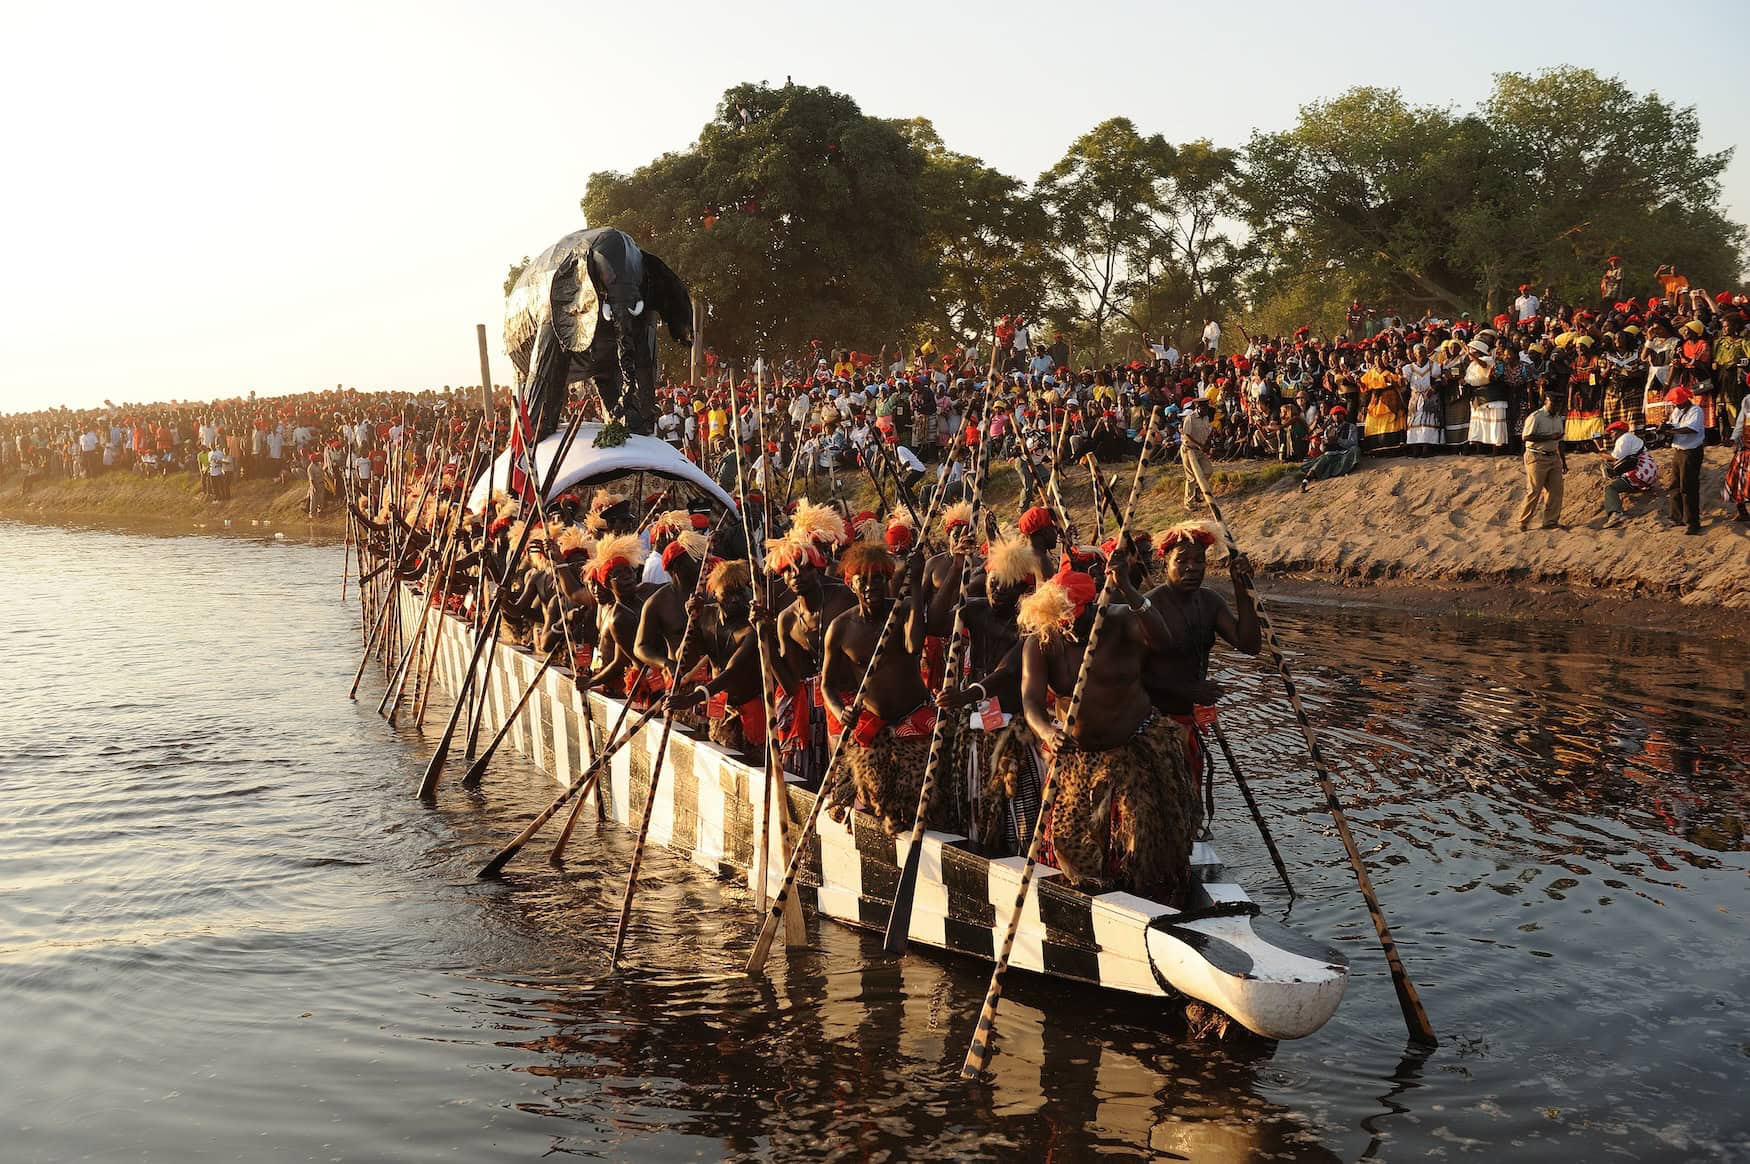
(797,216)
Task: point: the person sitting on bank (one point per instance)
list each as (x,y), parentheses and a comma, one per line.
(1629,468)
(1342,445)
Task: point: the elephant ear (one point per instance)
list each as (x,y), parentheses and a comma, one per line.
(664,291)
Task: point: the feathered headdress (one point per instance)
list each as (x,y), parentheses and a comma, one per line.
(960,513)
(819,524)
(573,544)
(728,576)
(867,558)
(1204,533)
(790,550)
(1053,608)
(690,542)
(866,527)
(670,525)
(622,549)
(1012,562)
(901,532)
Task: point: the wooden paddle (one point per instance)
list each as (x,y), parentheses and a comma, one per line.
(585,780)
(978,1054)
(688,630)
(1252,804)
(478,768)
(1415,1018)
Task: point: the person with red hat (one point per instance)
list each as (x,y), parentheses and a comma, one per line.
(1118,750)
(1341,443)
(1688,431)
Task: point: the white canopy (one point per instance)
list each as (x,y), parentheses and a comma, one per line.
(584,462)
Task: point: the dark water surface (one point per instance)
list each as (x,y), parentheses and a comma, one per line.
(228,931)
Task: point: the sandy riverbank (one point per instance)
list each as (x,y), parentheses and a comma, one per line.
(172,502)
(1439,531)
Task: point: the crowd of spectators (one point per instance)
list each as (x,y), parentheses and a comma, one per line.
(1602,377)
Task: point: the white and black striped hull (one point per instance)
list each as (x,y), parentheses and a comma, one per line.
(708,808)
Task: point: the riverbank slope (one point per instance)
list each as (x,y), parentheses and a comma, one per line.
(173,501)
(1448,522)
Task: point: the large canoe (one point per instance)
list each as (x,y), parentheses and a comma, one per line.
(1272,981)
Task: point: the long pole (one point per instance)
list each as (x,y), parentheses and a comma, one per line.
(978,1054)
(1252,804)
(777,793)
(558,854)
(899,918)
(585,781)
(1415,1017)
(678,669)
(478,768)
(775,914)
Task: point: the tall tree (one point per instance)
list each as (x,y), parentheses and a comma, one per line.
(987,238)
(1422,207)
(1590,169)
(795,215)
(1101,197)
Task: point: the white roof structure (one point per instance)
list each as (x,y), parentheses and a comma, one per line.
(584,462)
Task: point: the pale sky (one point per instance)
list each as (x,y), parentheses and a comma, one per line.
(205,199)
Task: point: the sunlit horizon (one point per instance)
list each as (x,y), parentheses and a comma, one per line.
(211,200)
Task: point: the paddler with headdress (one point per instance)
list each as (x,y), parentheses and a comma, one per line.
(662,622)
(1003,765)
(889,746)
(942,575)
(572,608)
(1127,808)
(1177,676)
(614,574)
(802,559)
(733,697)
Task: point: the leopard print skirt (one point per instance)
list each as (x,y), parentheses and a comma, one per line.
(1125,818)
(1009,764)
(887,776)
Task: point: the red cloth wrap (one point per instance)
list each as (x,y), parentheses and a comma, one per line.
(935,661)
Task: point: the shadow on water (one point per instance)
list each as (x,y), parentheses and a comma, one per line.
(227,930)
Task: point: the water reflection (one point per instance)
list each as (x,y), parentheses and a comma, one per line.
(210,853)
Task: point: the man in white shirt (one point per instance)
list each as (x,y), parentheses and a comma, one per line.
(1684,420)
(1211,337)
(668,427)
(1527,305)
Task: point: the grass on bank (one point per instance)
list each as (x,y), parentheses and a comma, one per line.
(129,496)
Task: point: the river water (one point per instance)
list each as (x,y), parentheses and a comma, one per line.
(229,932)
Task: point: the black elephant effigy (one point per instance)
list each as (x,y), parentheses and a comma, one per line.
(585,308)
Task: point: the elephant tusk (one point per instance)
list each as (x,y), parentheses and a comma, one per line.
(607,311)
(638,308)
